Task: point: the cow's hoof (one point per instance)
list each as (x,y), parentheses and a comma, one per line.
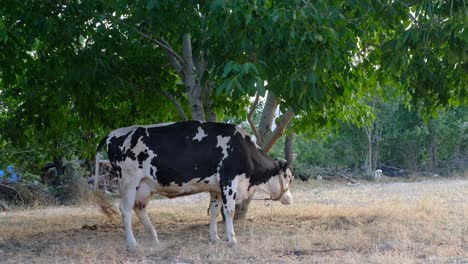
(232,243)
(214,239)
(132,248)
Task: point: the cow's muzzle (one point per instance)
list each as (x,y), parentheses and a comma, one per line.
(286,198)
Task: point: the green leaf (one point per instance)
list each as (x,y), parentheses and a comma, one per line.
(227,69)
(248,18)
(312,78)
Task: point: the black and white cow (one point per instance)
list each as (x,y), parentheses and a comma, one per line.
(176,159)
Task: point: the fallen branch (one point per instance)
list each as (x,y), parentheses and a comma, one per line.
(349,179)
(299,252)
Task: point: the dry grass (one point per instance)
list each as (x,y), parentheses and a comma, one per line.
(419,222)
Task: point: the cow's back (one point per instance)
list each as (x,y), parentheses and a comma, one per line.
(183,151)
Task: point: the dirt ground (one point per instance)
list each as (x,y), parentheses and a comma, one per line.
(389,222)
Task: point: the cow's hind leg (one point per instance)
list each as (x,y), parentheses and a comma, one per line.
(215,206)
(229,204)
(128,193)
(141,202)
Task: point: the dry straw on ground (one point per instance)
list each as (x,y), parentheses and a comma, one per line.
(418,222)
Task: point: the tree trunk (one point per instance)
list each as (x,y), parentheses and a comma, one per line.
(288,148)
(209,113)
(265,125)
(194,91)
(58,165)
(266,139)
(242,209)
(279,130)
(266,120)
(368,164)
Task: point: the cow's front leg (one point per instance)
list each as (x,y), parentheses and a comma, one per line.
(215,206)
(229,206)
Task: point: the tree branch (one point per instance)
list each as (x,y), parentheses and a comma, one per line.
(208,104)
(160,42)
(176,104)
(279,130)
(175,59)
(249,117)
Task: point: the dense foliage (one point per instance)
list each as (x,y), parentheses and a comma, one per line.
(72,70)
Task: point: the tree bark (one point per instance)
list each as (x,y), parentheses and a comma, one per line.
(266,120)
(368,164)
(279,130)
(208,104)
(194,91)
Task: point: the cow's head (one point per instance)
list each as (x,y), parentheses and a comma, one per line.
(279,184)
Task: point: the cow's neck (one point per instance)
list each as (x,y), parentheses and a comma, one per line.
(264,168)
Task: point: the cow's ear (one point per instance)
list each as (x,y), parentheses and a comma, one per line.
(282,164)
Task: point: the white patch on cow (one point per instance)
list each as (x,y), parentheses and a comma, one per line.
(244,135)
(122,131)
(240,131)
(223,144)
(215,206)
(229,209)
(125,130)
(255,143)
(159,125)
(243,191)
(119,133)
(200,135)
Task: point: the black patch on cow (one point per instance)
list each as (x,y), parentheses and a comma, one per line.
(117,170)
(142,157)
(224,198)
(130,154)
(230,192)
(154,161)
(114,152)
(138,132)
(206,181)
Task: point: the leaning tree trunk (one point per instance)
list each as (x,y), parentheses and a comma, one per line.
(265,138)
(288,148)
(265,125)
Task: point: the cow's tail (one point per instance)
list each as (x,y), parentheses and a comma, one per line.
(102,201)
(97,161)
